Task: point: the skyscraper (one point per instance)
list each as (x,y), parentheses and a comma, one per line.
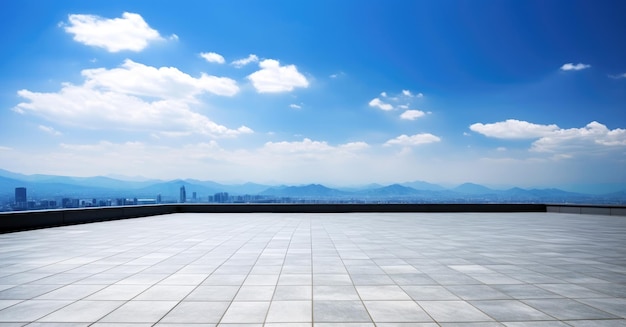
(183,194)
(20,198)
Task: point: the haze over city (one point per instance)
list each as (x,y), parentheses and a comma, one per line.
(512,93)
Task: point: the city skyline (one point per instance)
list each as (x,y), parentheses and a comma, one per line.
(529,93)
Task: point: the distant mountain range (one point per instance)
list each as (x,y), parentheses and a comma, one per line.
(51,186)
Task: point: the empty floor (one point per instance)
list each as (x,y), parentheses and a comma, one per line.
(345,270)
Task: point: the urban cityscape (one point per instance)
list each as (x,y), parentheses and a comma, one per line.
(104,192)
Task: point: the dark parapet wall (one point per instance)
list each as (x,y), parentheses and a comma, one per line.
(25,220)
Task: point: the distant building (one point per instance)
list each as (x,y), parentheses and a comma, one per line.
(193,196)
(183,195)
(20,198)
(159,200)
(221,197)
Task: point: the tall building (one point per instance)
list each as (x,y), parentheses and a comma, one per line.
(20,198)
(183,194)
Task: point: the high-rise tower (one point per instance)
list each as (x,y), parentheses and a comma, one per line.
(183,194)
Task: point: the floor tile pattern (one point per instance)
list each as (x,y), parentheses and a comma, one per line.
(322,270)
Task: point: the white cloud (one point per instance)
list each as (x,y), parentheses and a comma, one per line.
(417,139)
(295,106)
(337,75)
(383,94)
(618,76)
(376,102)
(412,114)
(173,37)
(133,97)
(407,93)
(273,77)
(213,57)
(306,145)
(242,62)
(501,149)
(5,148)
(572,66)
(513,129)
(49,130)
(164,82)
(130,32)
(420,95)
(592,137)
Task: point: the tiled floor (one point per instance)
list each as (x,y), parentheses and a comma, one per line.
(327,270)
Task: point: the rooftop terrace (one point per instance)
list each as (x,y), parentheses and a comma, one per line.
(327,269)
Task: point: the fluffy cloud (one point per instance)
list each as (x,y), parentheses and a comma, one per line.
(130,32)
(550,138)
(273,77)
(402,100)
(412,114)
(376,102)
(242,62)
(513,129)
(295,106)
(164,82)
(213,57)
(417,139)
(133,97)
(588,138)
(572,66)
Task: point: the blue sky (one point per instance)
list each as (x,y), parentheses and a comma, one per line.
(526,93)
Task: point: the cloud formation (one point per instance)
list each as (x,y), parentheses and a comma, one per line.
(164,82)
(377,103)
(551,138)
(274,78)
(513,129)
(130,32)
(572,66)
(413,140)
(242,62)
(412,114)
(213,57)
(586,138)
(133,97)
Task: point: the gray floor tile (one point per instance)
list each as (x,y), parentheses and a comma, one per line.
(396,311)
(429,293)
(289,292)
(246,312)
(117,292)
(188,312)
(510,310)
(165,293)
(290,311)
(334,293)
(566,309)
(213,293)
(339,311)
(453,311)
(82,311)
(255,293)
(29,311)
(71,292)
(384,292)
(140,312)
(614,306)
(331,279)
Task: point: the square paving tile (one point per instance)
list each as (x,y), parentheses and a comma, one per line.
(396,311)
(453,311)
